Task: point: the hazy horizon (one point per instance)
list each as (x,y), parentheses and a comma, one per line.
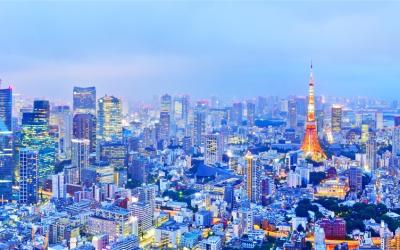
(234,50)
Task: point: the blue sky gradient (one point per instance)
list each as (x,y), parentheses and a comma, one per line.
(232,49)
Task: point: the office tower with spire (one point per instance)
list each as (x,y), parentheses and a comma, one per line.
(84,100)
(109,115)
(310,145)
(336,118)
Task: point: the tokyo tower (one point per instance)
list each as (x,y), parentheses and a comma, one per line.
(310,145)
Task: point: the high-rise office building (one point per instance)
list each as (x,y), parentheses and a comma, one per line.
(237,113)
(355,179)
(261,105)
(379,120)
(41,109)
(292,114)
(36,136)
(147,194)
(396,137)
(109,117)
(84,100)
(251,113)
(178,107)
(115,153)
(138,168)
(165,123)
(213,148)
(58,186)
(336,118)
(371,151)
(199,126)
(6,144)
(166,103)
(28,174)
(185,109)
(165,117)
(84,127)
(80,155)
(364,133)
(6,109)
(253,178)
(61,118)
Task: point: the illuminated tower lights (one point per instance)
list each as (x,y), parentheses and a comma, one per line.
(310,145)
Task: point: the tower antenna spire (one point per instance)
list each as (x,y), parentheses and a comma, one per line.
(310,145)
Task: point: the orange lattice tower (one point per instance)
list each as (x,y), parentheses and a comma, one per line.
(310,145)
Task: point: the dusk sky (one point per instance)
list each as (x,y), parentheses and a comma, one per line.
(232,49)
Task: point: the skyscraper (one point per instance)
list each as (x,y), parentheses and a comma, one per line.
(58,186)
(379,120)
(311,146)
(41,109)
(6,144)
(237,113)
(80,155)
(61,118)
(166,103)
(213,149)
(371,151)
(84,100)
(253,178)
(396,137)
(251,113)
(165,117)
(292,114)
(84,127)
(36,136)
(199,126)
(109,117)
(355,179)
(6,109)
(336,118)
(28,173)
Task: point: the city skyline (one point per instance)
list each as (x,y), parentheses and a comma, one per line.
(202,125)
(233,51)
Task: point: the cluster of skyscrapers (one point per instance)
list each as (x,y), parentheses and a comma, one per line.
(205,174)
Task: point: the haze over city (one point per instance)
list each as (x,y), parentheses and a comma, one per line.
(231,49)
(199,125)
